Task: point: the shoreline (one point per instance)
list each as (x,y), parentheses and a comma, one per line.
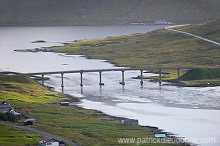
(153,129)
(178,83)
(181,84)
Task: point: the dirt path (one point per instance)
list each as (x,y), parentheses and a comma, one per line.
(41,133)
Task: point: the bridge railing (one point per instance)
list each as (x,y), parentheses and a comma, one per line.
(111,69)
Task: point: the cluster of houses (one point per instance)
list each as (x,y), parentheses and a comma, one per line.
(7,108)
(157,22)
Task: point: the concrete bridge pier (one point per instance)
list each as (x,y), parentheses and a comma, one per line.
(62,85)
(141,78)
(100,89)
(81,80)
(42,78)
(100,79)
(178,74)
(123,78)
(160,80)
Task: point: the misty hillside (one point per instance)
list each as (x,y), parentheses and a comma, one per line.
(106,12)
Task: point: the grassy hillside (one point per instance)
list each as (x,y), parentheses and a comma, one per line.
(24,89)
(157,48)
(201,74)
(11,136)
(85,127)
(105,12)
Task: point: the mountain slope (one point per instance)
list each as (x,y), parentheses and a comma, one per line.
(105,12)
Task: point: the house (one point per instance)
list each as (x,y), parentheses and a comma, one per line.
(162,22)
(64,103)
(130,122)
(17,115)
(7,108)
(25,110)
(160,135)
(29,121)
(48,141)
(136,23)
(138,41)
(4,107)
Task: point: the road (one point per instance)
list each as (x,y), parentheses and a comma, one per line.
(41,133)
(170,28)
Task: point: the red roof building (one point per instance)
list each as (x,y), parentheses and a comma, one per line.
(48,141)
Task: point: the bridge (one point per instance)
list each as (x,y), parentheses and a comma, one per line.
(107,70)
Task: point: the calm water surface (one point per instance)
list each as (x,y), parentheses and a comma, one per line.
(189,112)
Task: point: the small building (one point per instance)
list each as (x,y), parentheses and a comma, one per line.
(48,141)
(101,44)
(130,122)
(138,41)
(29,121)
(64,103)
(136,23)
(160,135)
(92,45)
(17,115)
(4,107)
(7,108)
(25,110)
(162,22)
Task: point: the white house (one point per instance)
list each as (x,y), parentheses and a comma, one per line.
(160,135)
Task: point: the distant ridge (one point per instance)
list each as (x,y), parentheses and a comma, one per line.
(106,12)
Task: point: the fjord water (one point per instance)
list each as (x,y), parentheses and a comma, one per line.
(189,112)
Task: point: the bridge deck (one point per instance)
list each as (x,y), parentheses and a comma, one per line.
(105,70)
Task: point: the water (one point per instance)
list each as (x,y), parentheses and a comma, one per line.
(189,112)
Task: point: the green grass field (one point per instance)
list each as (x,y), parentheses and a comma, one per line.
(11,136)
